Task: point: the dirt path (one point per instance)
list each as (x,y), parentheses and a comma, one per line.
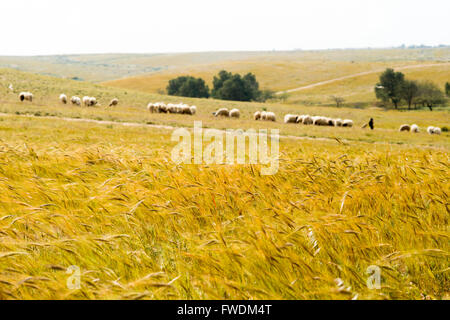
(144,125)
(416,66)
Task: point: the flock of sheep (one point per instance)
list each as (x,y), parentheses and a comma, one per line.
(317,120)
(223,112)
(182,108)
(87,101)
(264,115)
(415,128)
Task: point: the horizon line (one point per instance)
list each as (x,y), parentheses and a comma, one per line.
(402,46)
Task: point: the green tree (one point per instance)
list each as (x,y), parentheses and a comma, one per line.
(410,91)
(390,87)
(218,82)
(447,89)
(228,86)
(187,86)
(430,94)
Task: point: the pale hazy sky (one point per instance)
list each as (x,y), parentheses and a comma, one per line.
(30,27)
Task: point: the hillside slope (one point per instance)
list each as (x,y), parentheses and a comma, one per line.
(132,108)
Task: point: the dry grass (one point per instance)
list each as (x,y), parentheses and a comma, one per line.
(107,198)
(110,201)
(132,108)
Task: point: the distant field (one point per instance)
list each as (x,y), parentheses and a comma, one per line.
(295,67)
(284,71)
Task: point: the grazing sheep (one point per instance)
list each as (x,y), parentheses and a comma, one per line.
(162,107)
(405,127)
(185,109)
(257,115)
(151,107)
(26,96)
(114,102)
(171,108)
(320,121)
(89,101)
(290,118)
(414,128)
(179,108)
(338,122)
(263,115)
(63,98)
(92,101)
(221,112)
(270,116)
(193,110)
(434,130)
(347,123)
(300,118)
(75,100)
(307,120)
(330,122)
(235,113)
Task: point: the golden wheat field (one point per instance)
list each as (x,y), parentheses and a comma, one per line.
(96,188)
(108,200)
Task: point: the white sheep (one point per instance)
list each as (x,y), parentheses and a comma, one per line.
(434,130)
(320,121)
(162,107)
(270,116)
(151,107)
(300,118)
(158,107)
(347,123)
(330,122)
(234,113)
(193,110)
(186,109)
(307,119)
(221,112)
(414,128)
(263,115)
(92,101)
(26,96)
(257,115)
(114,102)
(63,98)
(405,127)
(290,118)
(170,108)
(338,122)
(75,100)
(89,101)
